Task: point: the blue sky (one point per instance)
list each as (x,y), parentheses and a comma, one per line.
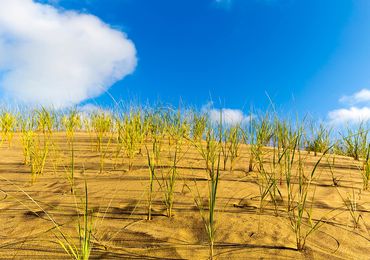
(306,54)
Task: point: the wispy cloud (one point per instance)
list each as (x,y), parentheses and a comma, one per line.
(359,97)
(223,3)
(227,4)
(56,57)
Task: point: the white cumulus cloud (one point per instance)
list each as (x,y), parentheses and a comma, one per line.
(350,115)
(229,116)
(56,57)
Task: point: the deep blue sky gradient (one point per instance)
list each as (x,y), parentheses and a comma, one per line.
(305,54)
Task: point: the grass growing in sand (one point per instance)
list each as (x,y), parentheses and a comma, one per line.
(72,123)
(212,155)
(281,166)
(102,123)
(8,123)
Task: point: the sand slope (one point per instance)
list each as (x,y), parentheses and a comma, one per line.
(118,200)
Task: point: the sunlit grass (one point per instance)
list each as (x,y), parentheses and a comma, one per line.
(277,154)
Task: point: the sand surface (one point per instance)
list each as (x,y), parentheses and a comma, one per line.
(118,198)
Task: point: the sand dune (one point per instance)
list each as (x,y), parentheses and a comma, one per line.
(118,199)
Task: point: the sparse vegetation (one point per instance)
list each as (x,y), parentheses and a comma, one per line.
(101,123)
(212,155)
(71,123)
(131,135)
(7,125)
(279,165)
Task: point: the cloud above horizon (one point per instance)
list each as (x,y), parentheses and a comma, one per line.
(230,117)
(56,57)
(352,114)
(349,115)
(359,97)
